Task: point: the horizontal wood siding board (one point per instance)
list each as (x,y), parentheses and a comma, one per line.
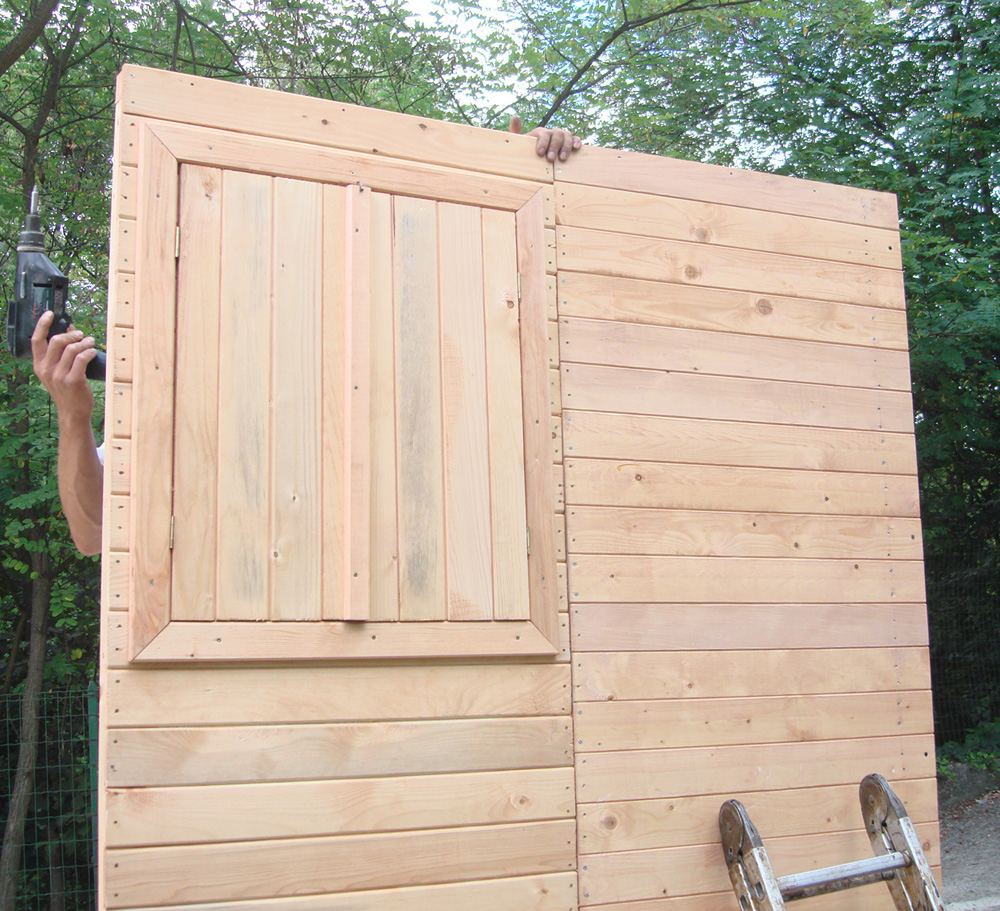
(174,696)
(223,105)
(725,770)
(636,825)
(657,438)
(670,723)
(696,351)
(680,218)
(635,171)
(546,892)
(697,627)
(151,876)
(679,532)
(634,391)
(707,580)
(732,672)
(219,755)
(219,813)
(761,315)
(593,482)
(654,259)
(872,899)
(635,875)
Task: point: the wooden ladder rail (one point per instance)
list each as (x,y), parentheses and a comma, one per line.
(899,859)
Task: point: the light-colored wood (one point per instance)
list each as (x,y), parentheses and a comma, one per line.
(228,106)
(506,429)
(347,641)
(635,875)
(469,536)
(218,755)
(294,695)
(655,484)
(149,504)
(673,723)
(336,364)
(672,822)
(615,676)
(624,389)
(296,357)
(531,249)
(210,814)
(547,892)
(710,183)
(359,343)
(658,438)
(196,428)
(611,530)
(584,250)
(712,353)
(744,311)
(680,218)
(118,456)
(244,393)
(418,413)
(658,627)
(725,770)
(302,866)
(384,553)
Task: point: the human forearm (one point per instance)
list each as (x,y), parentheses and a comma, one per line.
(81,483)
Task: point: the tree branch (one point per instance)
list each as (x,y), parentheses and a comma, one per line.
(27,35)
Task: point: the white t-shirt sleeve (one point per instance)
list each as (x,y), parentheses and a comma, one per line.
(100,453)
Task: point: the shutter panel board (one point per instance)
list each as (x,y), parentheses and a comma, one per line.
(420,458)
(506,438)
(467,508)
(296,521)
(196,433)
(334,413)
(244,393)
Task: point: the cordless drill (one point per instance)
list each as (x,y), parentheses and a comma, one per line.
(40,286)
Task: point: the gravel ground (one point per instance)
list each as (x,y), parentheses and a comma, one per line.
(970,841)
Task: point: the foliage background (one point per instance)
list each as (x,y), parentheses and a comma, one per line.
(896,96)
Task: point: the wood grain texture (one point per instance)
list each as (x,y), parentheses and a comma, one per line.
(732,672)
(661,303)
(680,218)
(139,876)
(213,814)
(660,438)
(221,755)
(624,344)
(602,482)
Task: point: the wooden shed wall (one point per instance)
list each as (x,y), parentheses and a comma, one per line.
(736,515)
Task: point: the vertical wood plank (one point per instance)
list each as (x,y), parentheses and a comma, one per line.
(196,442)
(384,596)
(154,376)
(506,430)
(334,456)
(244,388)
(359,377)
(532,256)
(467,494)
(296,541)
(418,378)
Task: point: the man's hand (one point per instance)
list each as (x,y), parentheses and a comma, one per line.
(551,144)
(61,364)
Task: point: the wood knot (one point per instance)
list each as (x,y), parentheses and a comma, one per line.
(765,307)
(692,272)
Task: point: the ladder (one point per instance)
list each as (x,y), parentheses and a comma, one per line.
(899,860)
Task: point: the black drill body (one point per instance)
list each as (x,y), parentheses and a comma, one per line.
(39,286)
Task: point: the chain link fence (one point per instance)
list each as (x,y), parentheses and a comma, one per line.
(57,869)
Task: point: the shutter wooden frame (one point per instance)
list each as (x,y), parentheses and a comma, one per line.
(161,148)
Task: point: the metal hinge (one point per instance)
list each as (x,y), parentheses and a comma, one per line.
(527,538)
(171,532)
(519,287)
(177,242)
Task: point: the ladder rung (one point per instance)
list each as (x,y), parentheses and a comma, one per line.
(842,876)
